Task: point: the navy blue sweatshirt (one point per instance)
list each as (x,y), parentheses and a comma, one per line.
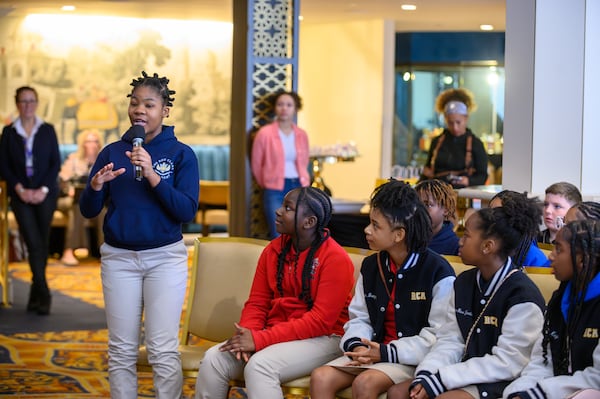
(138,216)
(445,242)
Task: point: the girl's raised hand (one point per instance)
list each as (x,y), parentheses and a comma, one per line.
(105,175)
(140,157)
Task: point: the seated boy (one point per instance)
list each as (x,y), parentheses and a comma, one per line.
(440,200)
(559,198)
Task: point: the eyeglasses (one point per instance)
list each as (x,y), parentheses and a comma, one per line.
(27,101)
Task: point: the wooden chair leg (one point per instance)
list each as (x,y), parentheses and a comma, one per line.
(205,228)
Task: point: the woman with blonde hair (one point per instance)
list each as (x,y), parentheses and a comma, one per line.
(73,176)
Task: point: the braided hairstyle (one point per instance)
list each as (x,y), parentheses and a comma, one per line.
(402,207)
(583,237)
(442,193)
(587,210)
(312,202)
(532,207)
(512,224)
(157,83)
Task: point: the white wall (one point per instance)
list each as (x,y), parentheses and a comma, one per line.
(552,53)
(590,164)
(347,98)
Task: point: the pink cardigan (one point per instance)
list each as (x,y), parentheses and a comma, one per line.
(268,162)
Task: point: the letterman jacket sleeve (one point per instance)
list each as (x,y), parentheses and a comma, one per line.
(520,329)
(359,325)
(555,387)
(449,345)
(412,350)
(535,371)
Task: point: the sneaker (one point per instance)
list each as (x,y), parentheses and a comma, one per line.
(69,261)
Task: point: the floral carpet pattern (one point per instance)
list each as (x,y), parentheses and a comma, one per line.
(67,364)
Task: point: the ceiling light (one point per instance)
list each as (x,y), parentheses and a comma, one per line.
(408,7)
(68,8)
(486,27)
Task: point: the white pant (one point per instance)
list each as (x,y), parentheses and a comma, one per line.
(266,369)
(152,280)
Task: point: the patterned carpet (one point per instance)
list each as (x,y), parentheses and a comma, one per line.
(64,364)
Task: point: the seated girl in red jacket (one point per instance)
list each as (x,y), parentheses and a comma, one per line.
(294,317)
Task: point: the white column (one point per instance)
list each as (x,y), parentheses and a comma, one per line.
(389,86)
(551,95)
(590,163)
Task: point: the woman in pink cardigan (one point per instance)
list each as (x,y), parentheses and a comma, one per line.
(280,155)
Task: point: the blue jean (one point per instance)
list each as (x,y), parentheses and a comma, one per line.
(273,199)
(153,281)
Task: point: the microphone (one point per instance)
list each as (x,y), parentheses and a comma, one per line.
(137,135)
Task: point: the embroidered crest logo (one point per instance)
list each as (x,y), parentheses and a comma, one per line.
(164,168)
(313,269)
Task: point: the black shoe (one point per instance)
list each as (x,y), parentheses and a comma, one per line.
(34,299)
(44,306)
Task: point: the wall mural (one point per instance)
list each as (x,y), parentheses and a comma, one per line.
(82,68)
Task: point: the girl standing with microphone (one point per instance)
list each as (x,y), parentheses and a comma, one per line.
(144,259)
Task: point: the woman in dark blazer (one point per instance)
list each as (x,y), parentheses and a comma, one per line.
(29,162)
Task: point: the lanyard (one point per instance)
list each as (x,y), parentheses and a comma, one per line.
(29,155)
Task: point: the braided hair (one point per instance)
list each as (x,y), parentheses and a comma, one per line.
(314,202)
(157,83)
(402,207)
(442,193)
(587,210)
(583,237)
(512,224)
(532,209)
